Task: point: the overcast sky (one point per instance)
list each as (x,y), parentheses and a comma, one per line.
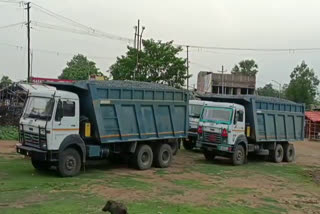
(227,23)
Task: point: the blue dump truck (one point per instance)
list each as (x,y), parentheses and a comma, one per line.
(65,124)
(234,125)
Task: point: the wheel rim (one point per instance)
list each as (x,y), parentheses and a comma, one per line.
(70,163)
(165,156)
(290,153)
(239,155)
(145,158)
(279,153)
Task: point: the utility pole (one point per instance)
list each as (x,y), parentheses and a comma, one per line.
(135,37)
(187,67)
(28,34)
(222,79)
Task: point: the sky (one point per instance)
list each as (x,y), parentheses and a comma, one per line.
(284,24)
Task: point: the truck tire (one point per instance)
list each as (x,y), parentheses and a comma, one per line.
(289,153)
(238,156)
(143,157)
(162,156)
(209,156)
(69,163)
(175,147)
(277,154)
(40,165)
(188,145)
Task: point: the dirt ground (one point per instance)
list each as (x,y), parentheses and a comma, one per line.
(190,180)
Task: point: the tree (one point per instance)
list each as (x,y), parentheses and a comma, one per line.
(303,85)
(157,62)
(5,81)
(247,67)
(268,91)
(79,68)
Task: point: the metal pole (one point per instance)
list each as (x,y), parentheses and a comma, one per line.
(137,66)
(135,37)
(187,67)
(143,28)
(28,34)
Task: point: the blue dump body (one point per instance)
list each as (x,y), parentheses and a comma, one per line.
(269,119)
(122,111)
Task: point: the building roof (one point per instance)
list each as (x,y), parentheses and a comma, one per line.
(314,116)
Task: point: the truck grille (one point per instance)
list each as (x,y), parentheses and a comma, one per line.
(33,139)
(212,137)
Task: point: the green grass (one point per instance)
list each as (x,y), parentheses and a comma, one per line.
(151,207)
(190,184)
(24,190)
(9,133)
(129,183)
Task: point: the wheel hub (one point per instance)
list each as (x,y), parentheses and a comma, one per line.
(70,163)
(145,157)
(165,156)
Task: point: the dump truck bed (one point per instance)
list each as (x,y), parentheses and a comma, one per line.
(123,111)
(269,119)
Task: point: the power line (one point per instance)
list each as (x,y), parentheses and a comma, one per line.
(12,25)
(55,52)
(11,2)
(89,30)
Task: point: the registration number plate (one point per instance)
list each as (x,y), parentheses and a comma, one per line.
(223,148)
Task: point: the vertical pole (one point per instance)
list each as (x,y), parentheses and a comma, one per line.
(137,66)
(187,67)
(28,34)
(222,77)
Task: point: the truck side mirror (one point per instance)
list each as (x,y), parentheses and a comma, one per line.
(59,112)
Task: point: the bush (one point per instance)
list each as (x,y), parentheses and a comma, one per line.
(9,133)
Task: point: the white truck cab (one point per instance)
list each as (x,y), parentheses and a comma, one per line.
(221,127)
(50,116)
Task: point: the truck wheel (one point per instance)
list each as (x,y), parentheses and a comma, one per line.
(175,147)
(209,156)
(289,153)
(188,145)
(238,156)
(69,163)
(162,156)
(143,157)
(277,154)
(40,165)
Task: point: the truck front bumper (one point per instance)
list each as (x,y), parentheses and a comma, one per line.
(34,153)
(216,147)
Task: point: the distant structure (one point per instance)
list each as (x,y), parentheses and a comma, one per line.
(234,84)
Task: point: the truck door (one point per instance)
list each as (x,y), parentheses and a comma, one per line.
(66,121)
(239,120)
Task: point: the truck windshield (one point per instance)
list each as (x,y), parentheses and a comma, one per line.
(39,108)
(195,110)
(217,115)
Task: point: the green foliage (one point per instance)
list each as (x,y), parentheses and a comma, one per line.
(79,68)
(268,91)
(303,85)
(5,81)
(246,67)
(9,133)
(158,62)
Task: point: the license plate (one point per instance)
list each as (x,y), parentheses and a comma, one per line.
(223,148)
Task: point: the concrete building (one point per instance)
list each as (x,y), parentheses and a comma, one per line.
(225,84)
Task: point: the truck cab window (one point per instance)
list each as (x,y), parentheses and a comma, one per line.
(239,116)
(65,109)
(68,109)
